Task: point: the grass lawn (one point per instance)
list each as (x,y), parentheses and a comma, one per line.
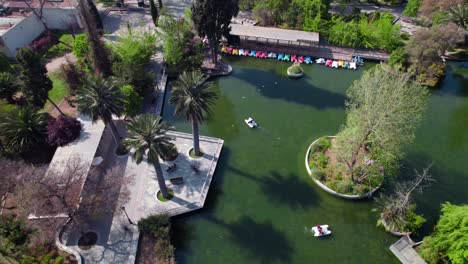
(60,48)
(58,92)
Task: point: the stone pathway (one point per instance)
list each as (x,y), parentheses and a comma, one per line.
(55,64)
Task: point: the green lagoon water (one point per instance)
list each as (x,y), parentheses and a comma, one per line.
(261,197)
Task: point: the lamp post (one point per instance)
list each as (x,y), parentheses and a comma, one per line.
(128,218)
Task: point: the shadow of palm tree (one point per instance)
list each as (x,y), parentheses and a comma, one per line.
(261,239)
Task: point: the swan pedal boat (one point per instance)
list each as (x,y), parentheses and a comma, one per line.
(325,231)
(250,122)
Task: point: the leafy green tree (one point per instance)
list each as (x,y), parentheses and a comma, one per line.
(458,15)
(132,56)
(100,98)
(100,56)
(316,15)
(384,108)
(33,79)
(23,129)
(154,13)
(399,58)
(449,241)
(270,12)
(181,52)
(147,136)
(8,87)
(212,18)
(294,16)
(412,8)
(193,96)
(133,101)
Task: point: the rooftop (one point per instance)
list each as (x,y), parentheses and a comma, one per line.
(37,3)
(274,33)
(8,22)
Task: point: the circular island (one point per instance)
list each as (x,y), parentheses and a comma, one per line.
(295,71)
(331,176)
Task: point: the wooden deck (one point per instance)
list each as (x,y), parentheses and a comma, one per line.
(319,51)
(404,251)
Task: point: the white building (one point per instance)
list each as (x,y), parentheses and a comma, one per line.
(21,28)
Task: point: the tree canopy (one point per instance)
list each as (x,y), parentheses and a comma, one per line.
(384,108)
(212,18)
(449,241)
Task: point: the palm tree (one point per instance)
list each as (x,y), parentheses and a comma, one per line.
(147,135)
(23,129)
(193,97)
(458,15)
(100,98)
(8,87)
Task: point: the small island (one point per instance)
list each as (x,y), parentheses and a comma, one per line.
(295,71)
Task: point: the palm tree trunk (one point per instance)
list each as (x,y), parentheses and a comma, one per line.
(56,106)
(116,134)
(160,4)
(196,137)
(160,177)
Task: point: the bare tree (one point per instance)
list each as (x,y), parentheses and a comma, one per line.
(396,208)
(13,173)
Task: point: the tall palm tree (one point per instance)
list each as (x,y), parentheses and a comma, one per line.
(458,15)
(23,129)
(147,135)
(193,97)
(100,98)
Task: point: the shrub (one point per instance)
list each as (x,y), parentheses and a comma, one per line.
(318,174)
(159,226)
(73,76)
(321,145)
(81,46)
(62,130)
(133,101)
(414,221)
(399,58)
(412,8)
(345,186)
(321,160)
(4,63)
(295,69)
(44,42)
(13,235)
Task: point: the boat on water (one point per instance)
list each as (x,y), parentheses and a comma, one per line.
(250,122)
(322,232)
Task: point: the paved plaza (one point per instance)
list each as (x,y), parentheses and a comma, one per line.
(190,195)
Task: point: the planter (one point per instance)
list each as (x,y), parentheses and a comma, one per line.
(295,75)
(330,191)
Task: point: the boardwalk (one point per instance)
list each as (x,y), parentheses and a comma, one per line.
(404,251)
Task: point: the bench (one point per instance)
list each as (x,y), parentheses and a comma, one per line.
(178,180)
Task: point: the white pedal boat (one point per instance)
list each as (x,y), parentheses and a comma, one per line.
(250,122)
(325,231)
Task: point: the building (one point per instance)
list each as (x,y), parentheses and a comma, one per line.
(23,26)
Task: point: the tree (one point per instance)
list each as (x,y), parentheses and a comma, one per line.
(181,52)
(154,13)
(193,96)
(458,15)
(133,54)
(13,174)
(14,236)
(23,129)
(448,242)
(316,15)
(63,130)
(147,136)
(33,79)
(212,18)
(397,210)
(412,8)
(100,98)
(270,12)
(133,101)
(160,4)
(383,110)
(8,87)
(430,8)
(100,55)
